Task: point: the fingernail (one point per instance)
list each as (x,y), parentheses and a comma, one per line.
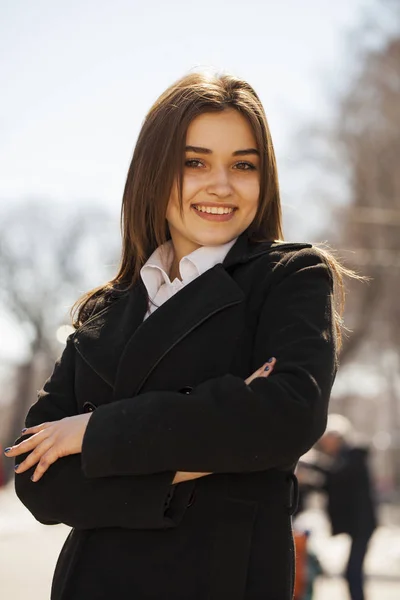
(31,478)
(271,359)
(266,368)
(7,450)
(24,430)
(16,467)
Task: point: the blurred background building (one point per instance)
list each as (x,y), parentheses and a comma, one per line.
(76,83)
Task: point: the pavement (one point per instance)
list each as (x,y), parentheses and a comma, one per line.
(29,552)
(382,563)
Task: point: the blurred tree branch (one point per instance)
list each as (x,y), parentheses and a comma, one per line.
(356,156)
(49,255)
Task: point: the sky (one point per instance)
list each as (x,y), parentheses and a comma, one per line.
(77,79)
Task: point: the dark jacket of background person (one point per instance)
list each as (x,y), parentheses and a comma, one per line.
(351,501)
(346,480)
(168,394)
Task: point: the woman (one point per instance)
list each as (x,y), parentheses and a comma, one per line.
(159,437)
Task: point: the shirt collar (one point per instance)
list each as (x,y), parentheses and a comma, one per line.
(155,271)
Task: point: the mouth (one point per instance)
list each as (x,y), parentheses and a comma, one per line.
(216,213)
(215,209)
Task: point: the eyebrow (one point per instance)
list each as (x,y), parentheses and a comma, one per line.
(199,150)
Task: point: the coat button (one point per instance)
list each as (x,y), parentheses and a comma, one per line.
(186,389)
(89,407)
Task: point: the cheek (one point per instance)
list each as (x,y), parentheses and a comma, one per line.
(190,188)
(192,184)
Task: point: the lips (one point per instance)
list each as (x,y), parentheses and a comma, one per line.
(225,213)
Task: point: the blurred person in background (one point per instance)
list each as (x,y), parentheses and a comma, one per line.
(339,467)
(351,499)
(168,432)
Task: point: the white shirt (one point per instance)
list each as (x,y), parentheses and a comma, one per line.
(154,272)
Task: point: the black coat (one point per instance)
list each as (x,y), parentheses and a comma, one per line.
(169,394)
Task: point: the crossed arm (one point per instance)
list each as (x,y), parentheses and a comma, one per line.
(53,440)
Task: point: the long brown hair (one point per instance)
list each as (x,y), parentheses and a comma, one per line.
(157,163)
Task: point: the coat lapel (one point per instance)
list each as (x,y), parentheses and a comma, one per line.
(206,295)
(124,350)
(100,340)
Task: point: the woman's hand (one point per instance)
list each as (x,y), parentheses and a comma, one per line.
(50,442)
(264,371)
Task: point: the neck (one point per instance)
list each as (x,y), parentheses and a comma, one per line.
(174,271)
(181,247)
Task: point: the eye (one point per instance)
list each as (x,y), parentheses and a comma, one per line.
(193,163)
(245,166)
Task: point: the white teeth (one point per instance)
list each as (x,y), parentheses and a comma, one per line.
(215,210)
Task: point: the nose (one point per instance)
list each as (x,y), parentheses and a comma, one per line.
(219,183)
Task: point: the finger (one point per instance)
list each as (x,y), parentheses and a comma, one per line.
(263,371)
(267,367)
(36,428)
(26,445)
(34,456)
(256,374)
(181,476)
(45,462)
(271,361)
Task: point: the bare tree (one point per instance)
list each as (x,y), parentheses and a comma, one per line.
(360,149)
(49,255)
(353,158)
(368,134)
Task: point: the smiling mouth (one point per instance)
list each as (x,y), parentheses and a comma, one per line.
(214,210)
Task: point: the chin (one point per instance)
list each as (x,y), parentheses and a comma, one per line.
(215,239)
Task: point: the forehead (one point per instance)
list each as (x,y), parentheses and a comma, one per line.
(221,129)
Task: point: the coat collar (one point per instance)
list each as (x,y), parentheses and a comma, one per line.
(245,249)
(124,350)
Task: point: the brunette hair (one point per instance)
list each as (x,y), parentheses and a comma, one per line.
(157,163)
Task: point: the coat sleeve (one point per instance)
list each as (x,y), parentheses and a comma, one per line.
(225,425)
(65,495)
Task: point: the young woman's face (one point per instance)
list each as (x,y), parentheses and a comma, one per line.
(221,182)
